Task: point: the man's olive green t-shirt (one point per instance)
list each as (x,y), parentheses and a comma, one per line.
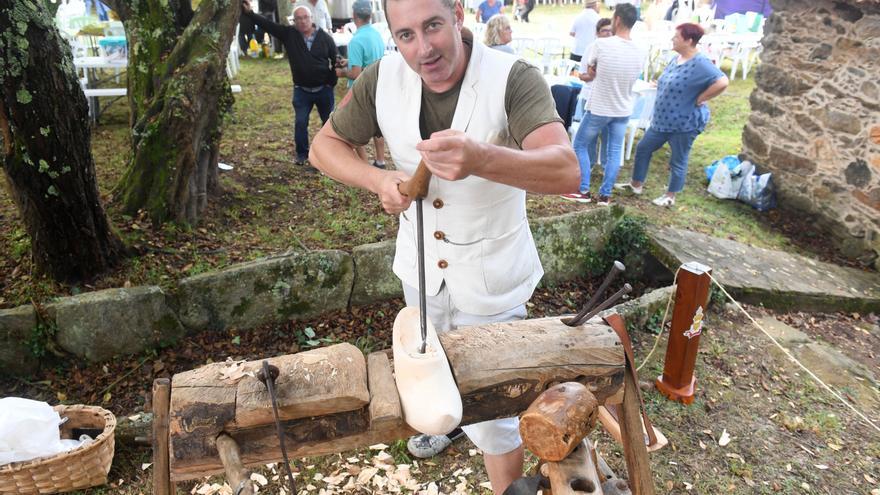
(528,104)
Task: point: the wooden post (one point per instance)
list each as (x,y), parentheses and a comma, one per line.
(691,295)
(161,468)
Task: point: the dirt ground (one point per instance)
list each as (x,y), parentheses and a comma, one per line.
(785,434)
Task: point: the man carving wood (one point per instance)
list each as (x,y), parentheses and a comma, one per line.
(485,126)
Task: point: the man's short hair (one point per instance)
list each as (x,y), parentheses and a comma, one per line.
(301,6)
(627,14)
(449,4)
(363,9)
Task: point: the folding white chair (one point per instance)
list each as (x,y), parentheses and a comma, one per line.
(643,110)
(549,48)
(520,45)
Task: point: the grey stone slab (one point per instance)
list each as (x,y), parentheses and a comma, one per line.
(373,279)
(841,373)
(100,325)
(784,334)
(272,289)
(775,279)
(16,327)
(568,243)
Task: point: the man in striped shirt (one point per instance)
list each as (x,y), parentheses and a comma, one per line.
(613,64)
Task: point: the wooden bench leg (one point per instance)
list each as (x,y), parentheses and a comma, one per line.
(161,469)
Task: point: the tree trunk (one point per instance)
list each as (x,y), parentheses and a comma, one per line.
(46,143)
(178,92)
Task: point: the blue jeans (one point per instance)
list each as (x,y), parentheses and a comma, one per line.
(302,107)
(679,142)
(613,131)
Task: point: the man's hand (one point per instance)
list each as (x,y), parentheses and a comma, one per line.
(452,155)
(392,201)
(246,6)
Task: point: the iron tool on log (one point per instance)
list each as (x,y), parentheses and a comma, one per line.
(417,188)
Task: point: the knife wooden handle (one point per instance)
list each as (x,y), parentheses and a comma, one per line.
(417,186)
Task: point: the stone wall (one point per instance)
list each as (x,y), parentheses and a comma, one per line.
(100,325)
(815,120)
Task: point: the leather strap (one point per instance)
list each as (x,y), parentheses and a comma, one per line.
(617,324)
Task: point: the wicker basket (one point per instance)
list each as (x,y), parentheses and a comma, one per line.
(79,468)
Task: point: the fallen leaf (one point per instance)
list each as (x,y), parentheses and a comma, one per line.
(821,466)
(725,439)
(702,445)
(870,479)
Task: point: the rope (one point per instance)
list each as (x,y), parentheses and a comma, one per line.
(663,322)
(785,351)
(794,359)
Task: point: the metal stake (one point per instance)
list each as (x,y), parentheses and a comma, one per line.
(268,375)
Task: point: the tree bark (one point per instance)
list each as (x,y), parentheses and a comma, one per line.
(46,147)
(178,92)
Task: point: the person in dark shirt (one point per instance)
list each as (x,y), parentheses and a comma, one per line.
(311,53)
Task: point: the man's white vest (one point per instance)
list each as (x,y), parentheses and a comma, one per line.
(477,237)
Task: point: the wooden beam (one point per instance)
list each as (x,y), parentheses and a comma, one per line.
(384,400)
(500,369)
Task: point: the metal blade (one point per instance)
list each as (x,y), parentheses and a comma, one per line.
(423,305)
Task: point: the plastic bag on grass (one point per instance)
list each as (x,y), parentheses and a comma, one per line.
(730,160)
(758,191)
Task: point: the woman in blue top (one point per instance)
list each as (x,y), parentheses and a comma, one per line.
(680,111)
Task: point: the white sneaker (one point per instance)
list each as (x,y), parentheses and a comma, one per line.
(626,186)
(664,200)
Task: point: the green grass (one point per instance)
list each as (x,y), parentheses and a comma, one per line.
(268,205)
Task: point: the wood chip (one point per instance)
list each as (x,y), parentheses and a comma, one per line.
(725,439)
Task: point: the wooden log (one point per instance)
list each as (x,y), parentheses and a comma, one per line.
(312,383)
(575,474)
(161,467)
(558,420)
(500,369)
(638,466)
(238,477)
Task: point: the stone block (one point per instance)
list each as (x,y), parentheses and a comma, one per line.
(790,162)
(778,81)
(100,325)
(638,311)
(569,243)
(870,199)
(842,121)
(857,173)
(373,278)
(753,144)
(268,290)
(868,27)
(16,327)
